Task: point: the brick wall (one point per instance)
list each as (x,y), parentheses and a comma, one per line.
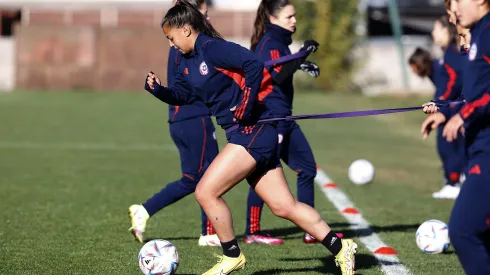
(106,49)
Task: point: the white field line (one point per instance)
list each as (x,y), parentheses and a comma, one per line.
(390,264)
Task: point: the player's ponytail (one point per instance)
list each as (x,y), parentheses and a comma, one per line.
(265,10)
(185,13)
(259,25)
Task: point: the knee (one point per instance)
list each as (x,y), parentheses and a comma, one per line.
(201,194)
(283,210)
(204,195)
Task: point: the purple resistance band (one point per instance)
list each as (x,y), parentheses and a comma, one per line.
(301,54)
(343,114)
(286,58)
(335,115)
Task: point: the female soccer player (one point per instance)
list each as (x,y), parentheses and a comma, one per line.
(449,85)
(423,65)
(469,221)
(232,81)
(192,130)
(274,26)
(465,40)
(464,33)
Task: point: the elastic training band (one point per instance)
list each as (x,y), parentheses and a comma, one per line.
(286,58)
(345,114)
(335,115)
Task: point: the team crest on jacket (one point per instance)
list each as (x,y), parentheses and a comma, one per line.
(203,68)
(473,52)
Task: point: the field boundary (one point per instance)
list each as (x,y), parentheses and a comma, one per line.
(385,255)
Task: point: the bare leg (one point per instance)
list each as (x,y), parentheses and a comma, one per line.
(230,167)
(274,190)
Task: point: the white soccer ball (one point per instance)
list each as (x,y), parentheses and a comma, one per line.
(432,237)
(158,257)
(361,171)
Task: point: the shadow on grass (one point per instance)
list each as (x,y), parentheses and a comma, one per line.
(289,233)
(327,266)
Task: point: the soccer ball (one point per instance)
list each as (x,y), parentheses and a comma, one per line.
(361,171)
(158,257)
(432,237)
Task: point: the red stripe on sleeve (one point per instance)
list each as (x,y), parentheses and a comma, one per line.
(452,79)
(470,107)
(275,55)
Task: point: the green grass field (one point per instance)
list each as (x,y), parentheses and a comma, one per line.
(71,164)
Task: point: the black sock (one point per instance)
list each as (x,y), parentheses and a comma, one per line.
(231,249)
(333,243)
(452,183)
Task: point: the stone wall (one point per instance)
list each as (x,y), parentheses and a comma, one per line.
(101,49)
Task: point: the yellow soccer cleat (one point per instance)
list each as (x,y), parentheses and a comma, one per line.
(139,216)
(226,265)
(346,257)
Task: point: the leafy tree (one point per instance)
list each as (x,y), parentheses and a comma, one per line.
(332,23)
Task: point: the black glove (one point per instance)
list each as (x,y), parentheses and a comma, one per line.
(310,46)
(310,68)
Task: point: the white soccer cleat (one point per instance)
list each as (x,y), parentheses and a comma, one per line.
(209,240)
(139,216)
(447,192)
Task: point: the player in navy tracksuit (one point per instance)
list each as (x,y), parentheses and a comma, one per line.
(231,81)
(448,107)
(423,65)
(464,33)
(449,85)
(470,218)
(192,131)
(275,24)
